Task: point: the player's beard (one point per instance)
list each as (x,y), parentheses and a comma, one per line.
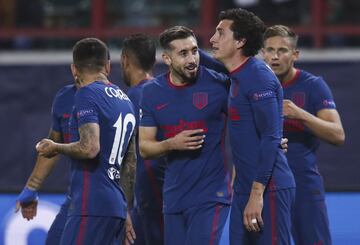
(126,78)
(182,74)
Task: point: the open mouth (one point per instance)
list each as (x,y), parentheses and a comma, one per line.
(191,67)
(275,65)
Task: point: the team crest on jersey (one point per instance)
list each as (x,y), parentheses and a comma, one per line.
(299,99)
(200,100)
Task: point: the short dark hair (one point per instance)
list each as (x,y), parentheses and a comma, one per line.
(174,33)
(282,31)
(90,54)
(248,26)
(142,48)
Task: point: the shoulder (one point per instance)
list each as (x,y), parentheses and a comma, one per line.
(66,90)
(213,78)
(214,74)
(259,75)
(313,81)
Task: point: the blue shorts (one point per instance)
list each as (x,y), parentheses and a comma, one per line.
(310,221)
(57,227)
(148,225)
(276,215)
(198,225)
(94,230)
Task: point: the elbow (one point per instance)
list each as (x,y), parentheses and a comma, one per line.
(142,150)
(143,153)
(92,151)
(339,139)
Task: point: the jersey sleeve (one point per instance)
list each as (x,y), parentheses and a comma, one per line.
(55,117)
(85,107)
(147,118)
(321,95)
(55,114)
(265,107)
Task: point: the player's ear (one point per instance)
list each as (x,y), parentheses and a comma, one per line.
(73,71)
(240,43)
(296,54)
(166,58)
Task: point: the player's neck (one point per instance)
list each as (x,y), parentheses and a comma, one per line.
(139,75)
(90,78)
(288,77)
(237,60)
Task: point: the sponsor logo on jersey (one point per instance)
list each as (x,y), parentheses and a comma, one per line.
(172,130)
(200,100)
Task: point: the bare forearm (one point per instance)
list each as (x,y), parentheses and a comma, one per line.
(41,171)
(257,189)
(87,147)
(154,149)
(331,132)
(128,174)
(76,150)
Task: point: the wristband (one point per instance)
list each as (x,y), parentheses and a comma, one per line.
(27,195)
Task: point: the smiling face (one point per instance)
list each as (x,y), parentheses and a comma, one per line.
(183,60)
(280,54)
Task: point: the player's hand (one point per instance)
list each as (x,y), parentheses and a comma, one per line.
(130,235)
(284,145)
(252,213)
(290,110)
(46,148)
(188,140)
(27,202)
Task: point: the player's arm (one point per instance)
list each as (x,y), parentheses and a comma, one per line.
(326,124)
(27,199)
(150,147)
(128,173)
(267,123)
(86,148)
(127,183)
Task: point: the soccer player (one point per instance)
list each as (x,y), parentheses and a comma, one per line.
(137,60)
(264,187)
(310,114)
(101,127)
(187,108)
(59,132)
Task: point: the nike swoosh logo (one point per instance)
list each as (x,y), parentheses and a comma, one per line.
(162,106)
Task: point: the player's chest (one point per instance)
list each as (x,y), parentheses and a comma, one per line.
(300,96)
(193,105)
